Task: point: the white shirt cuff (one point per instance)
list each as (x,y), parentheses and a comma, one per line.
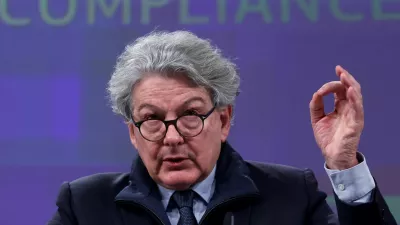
(353,185)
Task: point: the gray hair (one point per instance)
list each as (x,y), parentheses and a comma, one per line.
(166,52)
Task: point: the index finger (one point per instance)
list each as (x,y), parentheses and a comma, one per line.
(347,79)
(332,87)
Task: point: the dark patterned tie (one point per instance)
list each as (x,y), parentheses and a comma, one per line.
(184,201)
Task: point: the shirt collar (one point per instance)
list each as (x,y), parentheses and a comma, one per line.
(204,188)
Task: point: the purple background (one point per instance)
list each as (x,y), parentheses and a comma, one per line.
(56,124)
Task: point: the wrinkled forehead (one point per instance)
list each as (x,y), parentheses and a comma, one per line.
(168,92)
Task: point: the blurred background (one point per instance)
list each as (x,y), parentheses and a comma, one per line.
(56,57)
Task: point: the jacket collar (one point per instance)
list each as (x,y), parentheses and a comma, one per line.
(232,182)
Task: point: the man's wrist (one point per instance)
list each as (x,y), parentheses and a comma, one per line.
(343,164)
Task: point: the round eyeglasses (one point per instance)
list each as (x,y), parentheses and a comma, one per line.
(187,125)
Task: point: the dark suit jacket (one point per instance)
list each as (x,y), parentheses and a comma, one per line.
(246,193)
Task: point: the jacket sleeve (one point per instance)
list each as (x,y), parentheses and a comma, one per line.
(64,214)
(318,210)
(375,212)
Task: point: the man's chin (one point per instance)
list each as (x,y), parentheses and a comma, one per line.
(180,180)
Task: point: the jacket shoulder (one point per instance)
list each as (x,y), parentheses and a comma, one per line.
(275,169)
(84,198)
(277,174)
(99,182)
(100,187)
(100,179)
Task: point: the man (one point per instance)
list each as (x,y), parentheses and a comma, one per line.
(177,94)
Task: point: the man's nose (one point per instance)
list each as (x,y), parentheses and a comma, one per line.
(172,137)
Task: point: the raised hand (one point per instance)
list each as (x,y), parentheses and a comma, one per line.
(338,133)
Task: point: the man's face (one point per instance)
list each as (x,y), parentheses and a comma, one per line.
(177,162)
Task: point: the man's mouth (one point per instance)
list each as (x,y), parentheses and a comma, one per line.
(174,160)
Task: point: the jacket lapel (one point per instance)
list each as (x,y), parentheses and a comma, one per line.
(234,187)
(142,192)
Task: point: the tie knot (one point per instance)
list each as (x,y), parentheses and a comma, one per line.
(183,198)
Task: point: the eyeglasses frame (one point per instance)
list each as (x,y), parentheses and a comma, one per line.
(167,123)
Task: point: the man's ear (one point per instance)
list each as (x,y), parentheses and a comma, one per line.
(132,136)
(225,117)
